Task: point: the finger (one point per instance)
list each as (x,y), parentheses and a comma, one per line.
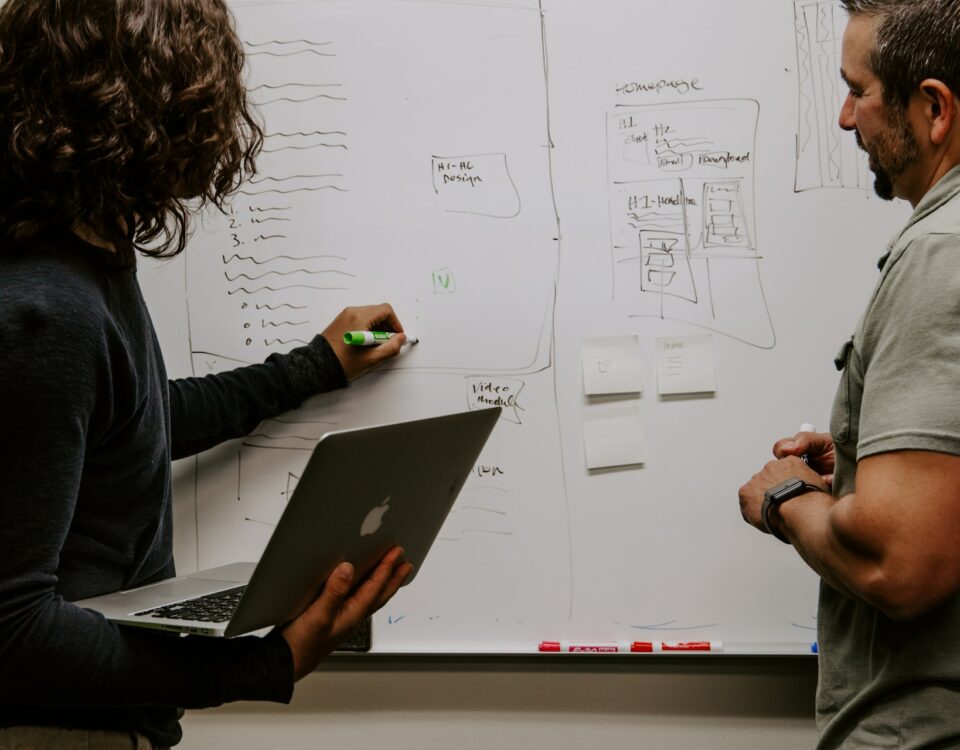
(385,568)
(388,349)
(819,443)
(386,318)
(366,597)
(385,593)
(795,446)
(368,591)
(400,575)
(380,317)
(802,444)
(336,589)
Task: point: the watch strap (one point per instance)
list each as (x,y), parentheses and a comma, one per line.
(765,513)
(769,503)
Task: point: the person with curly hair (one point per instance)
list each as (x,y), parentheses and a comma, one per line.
(119,119)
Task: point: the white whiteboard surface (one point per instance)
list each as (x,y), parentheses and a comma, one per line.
(517,178)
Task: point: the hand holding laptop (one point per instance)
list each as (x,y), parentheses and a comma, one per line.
(332,516)
(326,622)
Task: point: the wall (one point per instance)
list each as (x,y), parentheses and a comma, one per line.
(430,704)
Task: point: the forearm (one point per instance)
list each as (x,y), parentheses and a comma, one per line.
(814,524)
(209,410)
(67,657)
(865,555)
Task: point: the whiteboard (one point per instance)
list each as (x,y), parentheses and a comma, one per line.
(520,179)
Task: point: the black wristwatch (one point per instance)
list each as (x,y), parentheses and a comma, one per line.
(779,494)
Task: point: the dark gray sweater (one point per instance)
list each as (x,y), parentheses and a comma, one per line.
(88,426)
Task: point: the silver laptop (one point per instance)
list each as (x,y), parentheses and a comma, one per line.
(362,492)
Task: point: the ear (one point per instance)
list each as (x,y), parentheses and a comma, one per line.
(940,109)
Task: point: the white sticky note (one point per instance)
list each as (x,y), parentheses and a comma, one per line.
(613,437)
(612,365)
(685,364)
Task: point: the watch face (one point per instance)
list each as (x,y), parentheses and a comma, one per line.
(785,490)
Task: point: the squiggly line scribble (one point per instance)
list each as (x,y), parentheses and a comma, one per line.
(294,177)
(302,101)
(270,324)
(295,190)
(296,85)
(248,277)
(283,288)
(305,148)
(284,341)
(228,259)
(282,42)
(305,134)
(292,54)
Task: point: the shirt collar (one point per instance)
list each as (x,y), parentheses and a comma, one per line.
(945,190)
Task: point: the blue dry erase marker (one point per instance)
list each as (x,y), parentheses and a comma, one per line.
(372,338)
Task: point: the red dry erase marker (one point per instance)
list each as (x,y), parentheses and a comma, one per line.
(580,647)
(656,647)
(691,646)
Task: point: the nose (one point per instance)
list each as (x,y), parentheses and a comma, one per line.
(847,120)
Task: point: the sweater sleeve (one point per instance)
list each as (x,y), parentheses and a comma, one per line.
(54,654)
(205,411)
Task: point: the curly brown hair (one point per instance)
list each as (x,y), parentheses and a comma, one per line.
(122,116)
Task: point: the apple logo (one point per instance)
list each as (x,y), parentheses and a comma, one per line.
(374,519)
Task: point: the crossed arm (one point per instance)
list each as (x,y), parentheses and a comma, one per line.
(892,544)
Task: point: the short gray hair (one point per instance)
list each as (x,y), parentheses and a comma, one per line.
(916,39)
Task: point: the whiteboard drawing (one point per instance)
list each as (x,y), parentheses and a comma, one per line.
(482,393)
(395,185)
(362,100)
(682,215)
(367,186)
(479,184)
(826,157)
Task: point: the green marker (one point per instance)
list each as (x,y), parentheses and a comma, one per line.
(372,338)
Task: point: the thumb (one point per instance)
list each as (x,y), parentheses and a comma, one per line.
(789,447)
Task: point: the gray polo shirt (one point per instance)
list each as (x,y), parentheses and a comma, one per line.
(885,684)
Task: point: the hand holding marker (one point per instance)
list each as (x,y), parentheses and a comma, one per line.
(372,338)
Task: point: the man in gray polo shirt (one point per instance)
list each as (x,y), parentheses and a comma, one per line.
(886,539)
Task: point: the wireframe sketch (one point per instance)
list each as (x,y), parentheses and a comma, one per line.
(682,215)
(826,156)
(478,184)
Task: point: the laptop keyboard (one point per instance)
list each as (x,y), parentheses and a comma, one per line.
(217,607)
